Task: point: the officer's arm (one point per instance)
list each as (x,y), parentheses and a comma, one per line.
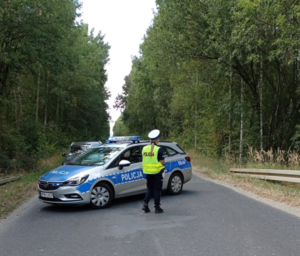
(160,157)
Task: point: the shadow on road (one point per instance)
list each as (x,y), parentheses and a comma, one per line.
(66,208)
(117,203)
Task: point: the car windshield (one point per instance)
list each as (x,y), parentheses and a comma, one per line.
(78,149)
(96,156)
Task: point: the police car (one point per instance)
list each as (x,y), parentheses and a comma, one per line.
(112,170)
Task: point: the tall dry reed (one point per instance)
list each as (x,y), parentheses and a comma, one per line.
(289,158)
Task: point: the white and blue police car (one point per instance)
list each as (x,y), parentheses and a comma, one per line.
(112,170)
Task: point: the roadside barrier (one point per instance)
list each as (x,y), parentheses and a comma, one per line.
(269,174)
(4,181)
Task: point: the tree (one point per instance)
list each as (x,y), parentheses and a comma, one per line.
(52,75)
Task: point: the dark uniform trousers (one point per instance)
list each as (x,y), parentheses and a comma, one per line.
(154,186)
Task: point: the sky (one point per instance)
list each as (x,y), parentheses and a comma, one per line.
(124,24)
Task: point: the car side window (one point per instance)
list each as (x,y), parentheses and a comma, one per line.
(133,155)
(115,163)
(123,156)
(136,154)
(169,151)
(165,154)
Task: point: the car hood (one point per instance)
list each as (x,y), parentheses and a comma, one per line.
(65,172)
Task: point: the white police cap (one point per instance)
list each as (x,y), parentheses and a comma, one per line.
(154,134)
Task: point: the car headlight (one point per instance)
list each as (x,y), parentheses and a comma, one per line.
(75,181)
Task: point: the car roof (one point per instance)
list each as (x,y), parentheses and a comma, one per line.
(126,144)
(86,143)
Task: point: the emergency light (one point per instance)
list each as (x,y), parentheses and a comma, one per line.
(124,138)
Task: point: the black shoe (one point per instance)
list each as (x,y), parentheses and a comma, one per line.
(145,208)
(158,210)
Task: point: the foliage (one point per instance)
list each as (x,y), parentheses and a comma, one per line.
(52,76)
(120,129)
(196,58)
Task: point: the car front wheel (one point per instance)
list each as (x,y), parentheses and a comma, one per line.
(101,196)
(175,184)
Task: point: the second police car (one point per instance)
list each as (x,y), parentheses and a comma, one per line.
(112,170)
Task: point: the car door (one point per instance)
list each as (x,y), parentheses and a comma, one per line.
(130,180)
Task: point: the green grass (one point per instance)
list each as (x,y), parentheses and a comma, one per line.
(211,167)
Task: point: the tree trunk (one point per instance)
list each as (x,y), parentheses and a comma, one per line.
(20,103)
(38,96)
(196,108)
(57,112)
(242,123)
(261,104)
(16,105)
(230,114)
(46,104)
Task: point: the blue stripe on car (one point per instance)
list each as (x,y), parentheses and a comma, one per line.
(65,172)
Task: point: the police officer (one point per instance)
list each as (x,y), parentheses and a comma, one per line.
(153,162)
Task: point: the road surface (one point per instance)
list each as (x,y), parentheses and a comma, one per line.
(206,219)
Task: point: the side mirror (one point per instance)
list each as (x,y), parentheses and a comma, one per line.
(123,163)
(64,154)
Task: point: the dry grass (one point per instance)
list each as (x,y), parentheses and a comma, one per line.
(278,191)
(15,193)
(282,159)
(50,161)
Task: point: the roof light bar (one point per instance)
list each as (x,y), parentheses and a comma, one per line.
(124,138)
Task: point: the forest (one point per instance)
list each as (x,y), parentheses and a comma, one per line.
(219,76)
(52,81)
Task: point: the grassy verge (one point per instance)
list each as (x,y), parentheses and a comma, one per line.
(15,193)
(219,170)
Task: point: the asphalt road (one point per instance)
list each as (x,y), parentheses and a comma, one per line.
(206,219)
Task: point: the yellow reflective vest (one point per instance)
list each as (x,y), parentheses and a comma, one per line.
(150,163)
